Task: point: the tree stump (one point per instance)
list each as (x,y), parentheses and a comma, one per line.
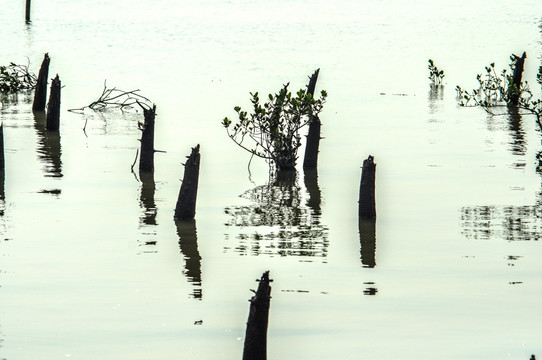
(310,160)
(27,11)
(53,107)
(146,157)
(186,202)
(40,94)
(255,347)
(367,205)
(516,78)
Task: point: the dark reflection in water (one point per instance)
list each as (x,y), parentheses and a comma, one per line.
(147,219)
(278,222)
(515,126)
(367,239)
(435,97)
(188,242)
(49,150)
(370,289)
(512,223)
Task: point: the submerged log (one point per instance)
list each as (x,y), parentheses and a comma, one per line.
(146,158)
(367,205)
(186,202)
(516,79)
(310,160)
(255,347)
(53,107)
(40,94)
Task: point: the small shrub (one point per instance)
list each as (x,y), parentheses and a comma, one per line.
(435,75)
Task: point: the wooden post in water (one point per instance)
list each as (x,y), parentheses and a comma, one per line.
(310,160)
(516,79)
(146,158)
(255,347)
(186,202)
(2,159)
(27,12)
(367,205)
(40,94)
(53,107)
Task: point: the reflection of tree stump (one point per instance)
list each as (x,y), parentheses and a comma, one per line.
(367,239)
(188,242)
(53,107)
(516,79)
(315,196)
(255,347)
(146,157)
(313,137)
(40,94)
(146,198)
(186,202)
(367,206)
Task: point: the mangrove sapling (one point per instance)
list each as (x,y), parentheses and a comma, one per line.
(271,132)
(115,98)
(503,89)
(435,75)
(15,78)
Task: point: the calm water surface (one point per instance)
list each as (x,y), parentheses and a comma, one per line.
(93,266)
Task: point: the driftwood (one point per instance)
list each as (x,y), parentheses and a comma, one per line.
(146,158)
(186,202)
(367,206)
(53,107)
(255,347)
(516,78)
(310,160)
(40,94)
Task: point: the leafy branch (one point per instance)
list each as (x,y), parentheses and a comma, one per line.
(435,75)
(116,98)
(271,131)
(14,78)
(503,89)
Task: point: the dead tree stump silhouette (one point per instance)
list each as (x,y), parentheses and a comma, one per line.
(255,347)
(27,11)
(146,157)
(53,107)
(516,79)
(186,202)
(367,205)
(310,160)
(40,94)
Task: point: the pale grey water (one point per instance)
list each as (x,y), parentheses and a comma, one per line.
(96,271)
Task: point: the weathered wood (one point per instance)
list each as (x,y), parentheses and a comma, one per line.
(367,205)
(367,239)
(188,243)
(40,94)
(2,159)
(516,78)
(310,160)
(186,202)
(53,107)
(255,347)
(27,11)
(146,156)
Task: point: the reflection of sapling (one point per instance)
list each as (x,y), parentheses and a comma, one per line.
(272,130)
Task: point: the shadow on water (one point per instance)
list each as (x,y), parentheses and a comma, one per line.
(49,149)
(367,239)
(278,222)
(188,243)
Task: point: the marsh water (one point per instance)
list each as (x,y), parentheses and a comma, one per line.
(93,266)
